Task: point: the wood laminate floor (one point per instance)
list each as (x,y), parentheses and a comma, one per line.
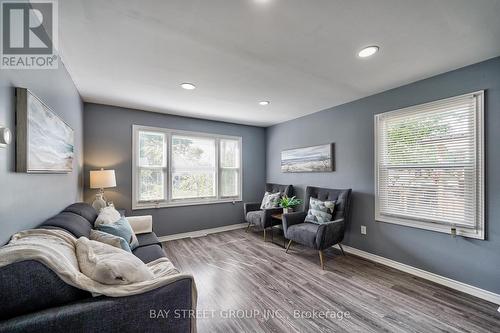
(246,285)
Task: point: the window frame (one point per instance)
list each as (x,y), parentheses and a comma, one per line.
(167,179)
(479,231)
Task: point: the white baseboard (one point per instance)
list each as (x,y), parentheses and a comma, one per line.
(201,233)
(450,283)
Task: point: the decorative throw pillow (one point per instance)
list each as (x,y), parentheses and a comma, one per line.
(270,200)
(107,215)
(120,228)
(320,211)
(104,237)
(108,265)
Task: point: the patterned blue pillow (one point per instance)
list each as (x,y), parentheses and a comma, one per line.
(320,211)
(120,228)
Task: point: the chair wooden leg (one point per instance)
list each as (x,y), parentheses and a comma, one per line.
(341,249)
(248,227)
(288,246)
(321,259)
(264,234)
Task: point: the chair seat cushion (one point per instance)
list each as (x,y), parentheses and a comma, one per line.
(255,217)
(148,238)
(303,233)
(149,253)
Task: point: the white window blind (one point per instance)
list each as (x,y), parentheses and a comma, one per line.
(429,165)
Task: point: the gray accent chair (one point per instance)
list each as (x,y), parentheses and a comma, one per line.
(319,236)
(262,217)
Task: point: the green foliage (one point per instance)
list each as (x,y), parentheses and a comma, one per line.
(151,149)
(407,138)
(191,184)
(287,202)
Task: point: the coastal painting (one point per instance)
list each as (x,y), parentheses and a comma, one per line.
(309,159)
(45,141)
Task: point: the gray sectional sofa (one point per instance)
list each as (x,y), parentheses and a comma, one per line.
(35,299)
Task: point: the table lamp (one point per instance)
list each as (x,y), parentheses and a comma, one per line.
(101,179)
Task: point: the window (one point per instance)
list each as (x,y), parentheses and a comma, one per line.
(429,166)
(194,169)
(175,168)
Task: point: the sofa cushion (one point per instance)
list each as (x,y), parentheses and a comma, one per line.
(148,238)
(303,233)
(104,237)
(74,223)
(107,215)
(122,229)
(149,253)
(255,217)
(84,210)
(29,286)
(109,265)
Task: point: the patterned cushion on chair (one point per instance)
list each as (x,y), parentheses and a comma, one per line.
(320,211)
(270,200)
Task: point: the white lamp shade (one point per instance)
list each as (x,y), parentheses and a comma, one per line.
(102,179)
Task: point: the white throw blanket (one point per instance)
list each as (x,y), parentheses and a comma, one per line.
(57,250)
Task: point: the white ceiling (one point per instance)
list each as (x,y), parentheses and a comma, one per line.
(298,54)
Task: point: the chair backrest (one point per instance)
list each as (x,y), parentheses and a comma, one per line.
(283,189)
(342,198)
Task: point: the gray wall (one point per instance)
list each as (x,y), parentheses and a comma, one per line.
(350,126)
(108,144)
(28,199)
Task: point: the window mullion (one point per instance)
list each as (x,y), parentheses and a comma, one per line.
(168,179)
(218,169)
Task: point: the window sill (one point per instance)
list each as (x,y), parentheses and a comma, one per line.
(140,206)
(463,232)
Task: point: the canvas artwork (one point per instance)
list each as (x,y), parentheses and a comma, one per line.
(309,159)
(45,141)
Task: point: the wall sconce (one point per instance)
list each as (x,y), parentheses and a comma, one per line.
(5,136)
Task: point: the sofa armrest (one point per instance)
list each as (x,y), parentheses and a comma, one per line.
(329,234)
(165,309)
(250,207)
(293,218)
(141,224)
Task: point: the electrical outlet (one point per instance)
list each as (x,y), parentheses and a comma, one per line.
(363,229)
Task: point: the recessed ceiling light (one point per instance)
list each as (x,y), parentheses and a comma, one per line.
(264,103)
(368,51)
(188,86)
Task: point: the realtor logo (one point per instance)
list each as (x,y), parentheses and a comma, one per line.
(29,34)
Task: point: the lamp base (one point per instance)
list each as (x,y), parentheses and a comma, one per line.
(99,202)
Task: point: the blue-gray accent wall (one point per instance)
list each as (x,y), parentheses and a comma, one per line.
(351,128)
(108,144)
(26,200)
